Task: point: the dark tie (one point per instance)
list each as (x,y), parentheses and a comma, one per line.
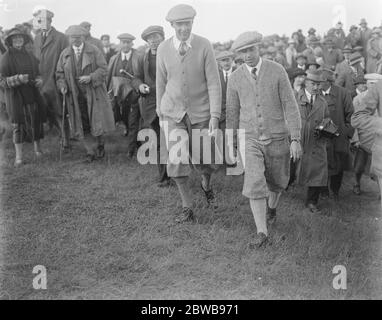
(183,48)
(311,104)
(254,73)
(43,37)
(124,62)
(226,77)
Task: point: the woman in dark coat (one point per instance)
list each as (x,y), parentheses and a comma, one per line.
(312,168)
(20,79)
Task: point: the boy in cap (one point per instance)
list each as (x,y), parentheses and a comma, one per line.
(261,101)
(188,98)
(108,50)
(125,65)
(81,73)
(369,118)
(146,73)
(341,109)
(48,45)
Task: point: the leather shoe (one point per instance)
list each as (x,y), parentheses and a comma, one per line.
(185,216)
(314,209)
(260,240)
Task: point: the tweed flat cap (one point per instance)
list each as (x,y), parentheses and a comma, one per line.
(126,36)
(315,76)
(49,14)
(246,40)
(373,77)
(76,31)
(360,80)
(181,12)
(224,55)
(301,55)
(358,49)
(328,74)
(85,24)
(355,58)
(363,21)
(151,30)
(347,49)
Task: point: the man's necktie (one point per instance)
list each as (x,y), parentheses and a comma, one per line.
(43,37)
(124,62)
(78,54)
(183,48)
(254,70)
(311,104)
(226,77)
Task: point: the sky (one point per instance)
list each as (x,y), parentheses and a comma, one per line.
(217,20)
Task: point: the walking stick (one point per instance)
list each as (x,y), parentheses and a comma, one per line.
(62,125)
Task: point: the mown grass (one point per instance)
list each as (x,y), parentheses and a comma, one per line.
(106,231)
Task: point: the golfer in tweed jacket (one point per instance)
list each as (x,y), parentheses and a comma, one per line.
(260,100)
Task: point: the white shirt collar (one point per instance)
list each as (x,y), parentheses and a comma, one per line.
(308,95)
(258,66)
(126,55)
(227,72)
(80,48)
(177,42)
(327,91)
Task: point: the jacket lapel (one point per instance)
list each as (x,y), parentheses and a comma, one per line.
(49,38)
(86,58)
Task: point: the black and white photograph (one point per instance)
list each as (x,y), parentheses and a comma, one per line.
(203,152)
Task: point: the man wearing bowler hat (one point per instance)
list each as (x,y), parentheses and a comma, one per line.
(188,97)
(122,71)
(261,101)
(146,74)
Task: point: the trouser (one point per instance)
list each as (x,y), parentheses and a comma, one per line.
(129,114)
(162,168)
(336,182)
(32,129)
(360,161)
(54,116)
(313,194)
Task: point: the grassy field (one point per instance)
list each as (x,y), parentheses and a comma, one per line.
(106,231)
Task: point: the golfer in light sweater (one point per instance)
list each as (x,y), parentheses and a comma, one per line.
(188,97)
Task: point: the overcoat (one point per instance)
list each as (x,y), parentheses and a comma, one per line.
(99,108)
(312,169)
(374,55)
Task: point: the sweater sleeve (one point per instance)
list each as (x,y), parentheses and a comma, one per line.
(213,82)
(289,105)
(161,78)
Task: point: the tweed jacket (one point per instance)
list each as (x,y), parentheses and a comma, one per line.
(266,107)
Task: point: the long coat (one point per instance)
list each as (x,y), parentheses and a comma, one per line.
(312,168)
(12,96)
(366,120)
(346,78)
(341,108)
(48,55)
(99,108)
(365,36)
(374,56)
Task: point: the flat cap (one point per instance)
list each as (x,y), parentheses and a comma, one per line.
(315,75)
(271,50)
(224,55)
(353,27)
(360,80)
(105,36)
(347,49)
(43,12)
(301,55)
(246,40)
(181,12)
(296,72)
(358,48)
(328,74)
(311,30)
(313,39)
(126,36)
(85,24)
(76,31)
(329,40)
(363,21)
(373,77)
(376,30)
(151,30)
(355,58)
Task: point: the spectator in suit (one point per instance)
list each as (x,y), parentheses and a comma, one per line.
(341,109)
(261,101)
(365,35)
(331,55)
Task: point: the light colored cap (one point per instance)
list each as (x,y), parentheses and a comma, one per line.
(181,12)
(246,40)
